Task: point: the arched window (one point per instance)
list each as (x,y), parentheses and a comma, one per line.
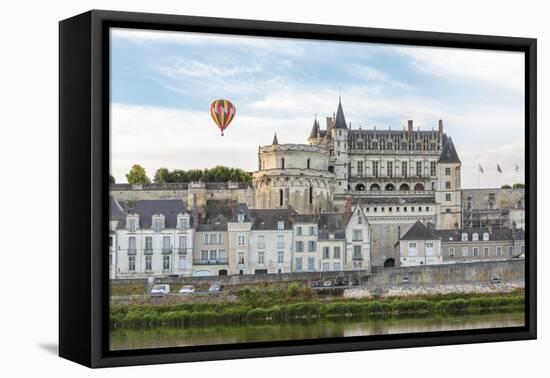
(374,146)
(419,187)
(360,187)
(404,187)
(360,145)
(331,169)
(375,187)
(390,187)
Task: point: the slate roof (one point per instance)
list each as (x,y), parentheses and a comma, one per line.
(116,212)
(217,223)
(448,153)
(497,234)
(304,218)
(314,129)
(268,219)
(170,208)
(340,122)
(275,140)
(419,231)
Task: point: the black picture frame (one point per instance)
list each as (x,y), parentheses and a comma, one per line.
(84,186)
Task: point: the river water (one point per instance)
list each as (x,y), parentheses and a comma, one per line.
(223,334)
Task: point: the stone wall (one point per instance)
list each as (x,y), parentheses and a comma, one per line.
(506,270)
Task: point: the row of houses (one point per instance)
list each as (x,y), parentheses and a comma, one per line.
(162,237)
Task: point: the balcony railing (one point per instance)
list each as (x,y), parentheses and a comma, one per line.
(148,251)
(131,251)
(211,262)
(182,251)
(166,251)
(357,257)
(280,245)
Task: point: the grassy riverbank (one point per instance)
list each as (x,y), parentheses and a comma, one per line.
(297,303)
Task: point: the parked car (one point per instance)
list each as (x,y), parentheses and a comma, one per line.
(494,279)
(316,283)
(187,289)
(160,289)
(327,283)
(340,281)
(215,288)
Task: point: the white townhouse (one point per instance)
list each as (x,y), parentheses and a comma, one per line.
(357,230)
(305,227)
(155,237)
(270,241)
(420,246)
(332,242)
(116,214)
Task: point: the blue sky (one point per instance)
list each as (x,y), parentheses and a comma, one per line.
(163,84)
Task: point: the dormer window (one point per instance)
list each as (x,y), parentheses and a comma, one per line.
(281,225)
(132,222)
(158,222)
(464,237)
(183,222)
(240,217)
(359,219)
(485,236)
(475,236)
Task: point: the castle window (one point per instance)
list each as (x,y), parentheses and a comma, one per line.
(331,169)
(308,163)
(281,197)
(448,197)
(403,146)
(360,167)
(282,163)
(447,185)
(360,145)
(404,168)
(389,169)
(375,168)
(447,171)
(310,195)
(452,251)
(375,146)
(418,146)
(432,168)
(418,168)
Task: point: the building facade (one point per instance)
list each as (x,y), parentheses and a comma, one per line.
(152,237)
(423,245)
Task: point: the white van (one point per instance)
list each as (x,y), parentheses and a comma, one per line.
(160,289)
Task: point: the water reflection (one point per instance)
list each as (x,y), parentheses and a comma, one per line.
(172,337)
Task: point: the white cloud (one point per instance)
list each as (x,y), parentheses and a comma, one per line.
(504,70)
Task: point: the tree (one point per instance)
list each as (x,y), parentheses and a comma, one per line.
(519,186)
(162,176)
(137,175)
(505,187)
(111,179)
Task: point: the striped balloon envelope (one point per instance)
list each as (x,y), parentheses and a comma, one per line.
(222,112)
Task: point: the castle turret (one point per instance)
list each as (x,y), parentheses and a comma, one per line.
(315,135)
(339,150)
(448,191)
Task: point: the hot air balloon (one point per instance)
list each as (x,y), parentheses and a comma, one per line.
(222,112)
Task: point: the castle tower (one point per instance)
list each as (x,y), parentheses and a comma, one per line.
(339,150)
(448,189)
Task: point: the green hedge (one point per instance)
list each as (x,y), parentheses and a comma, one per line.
(193,314)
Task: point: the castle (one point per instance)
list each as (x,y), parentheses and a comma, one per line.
(396,176)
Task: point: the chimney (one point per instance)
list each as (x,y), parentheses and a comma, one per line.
(410,125)
(347,208)
(440,126)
